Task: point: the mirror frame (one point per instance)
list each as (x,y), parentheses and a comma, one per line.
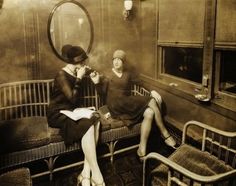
(50,20)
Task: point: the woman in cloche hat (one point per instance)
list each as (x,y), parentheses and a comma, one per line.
(65,97)
(131,109)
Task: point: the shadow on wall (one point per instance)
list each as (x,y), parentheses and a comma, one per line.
(1,3)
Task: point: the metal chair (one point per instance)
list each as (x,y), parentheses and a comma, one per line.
(212,163)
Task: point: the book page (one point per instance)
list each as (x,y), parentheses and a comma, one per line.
(79,113)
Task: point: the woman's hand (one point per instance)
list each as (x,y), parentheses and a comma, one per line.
(95,77)
(80,72)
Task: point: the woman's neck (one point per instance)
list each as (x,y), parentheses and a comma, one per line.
(117,72)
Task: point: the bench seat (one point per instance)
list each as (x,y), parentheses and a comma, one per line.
(44,141)
(17,177)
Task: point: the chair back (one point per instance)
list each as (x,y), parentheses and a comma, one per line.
(31,98)
(221,144)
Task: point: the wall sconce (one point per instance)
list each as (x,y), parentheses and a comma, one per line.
(128,4)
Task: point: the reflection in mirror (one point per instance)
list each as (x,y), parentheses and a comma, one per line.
(69,24)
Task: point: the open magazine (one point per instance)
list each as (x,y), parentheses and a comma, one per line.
(78,113)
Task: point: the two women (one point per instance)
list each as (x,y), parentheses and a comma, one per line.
(65,97)
(131,109)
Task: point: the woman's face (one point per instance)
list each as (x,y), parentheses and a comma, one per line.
(79,65)
(117,63)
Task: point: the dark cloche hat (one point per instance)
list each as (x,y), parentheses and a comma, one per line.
(64,50)
(76,54)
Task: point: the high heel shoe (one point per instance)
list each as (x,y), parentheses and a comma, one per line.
(97,184)
(81,178)
(169,141)
(140,156)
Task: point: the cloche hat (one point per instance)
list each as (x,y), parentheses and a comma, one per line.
(119,54)
(64,50)
(76,54)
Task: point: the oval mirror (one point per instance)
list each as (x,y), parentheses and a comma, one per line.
(69,24)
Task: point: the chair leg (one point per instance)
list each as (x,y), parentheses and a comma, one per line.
(144,172)
(50,163)
(111,147)
(169,179)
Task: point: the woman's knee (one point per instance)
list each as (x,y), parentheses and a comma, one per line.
(148,113)
(152,104)
(90,131)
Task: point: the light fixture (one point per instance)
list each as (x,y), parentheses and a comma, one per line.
(128,4)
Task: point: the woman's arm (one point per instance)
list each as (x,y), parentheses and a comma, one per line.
(135,80)
(102,87)
(101,83)
(70,90)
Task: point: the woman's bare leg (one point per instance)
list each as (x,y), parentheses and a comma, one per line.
(89,148)
(96,131)
(86,169)
(96,136)
(158,118)
(85,180)
(146,126)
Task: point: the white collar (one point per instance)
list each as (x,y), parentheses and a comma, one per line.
(119,74)
(68,69)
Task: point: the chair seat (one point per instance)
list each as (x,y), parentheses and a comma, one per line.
(17,177)
(23,133)
(108,122)
(194,160)
(55,135)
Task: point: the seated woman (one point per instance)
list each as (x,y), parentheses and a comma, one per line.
(64,96)
(116,87)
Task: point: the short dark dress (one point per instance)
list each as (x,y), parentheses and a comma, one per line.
(121,104)
(64,96)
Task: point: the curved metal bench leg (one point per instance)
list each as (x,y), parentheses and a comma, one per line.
(50,163)
(111,147)
(144,173)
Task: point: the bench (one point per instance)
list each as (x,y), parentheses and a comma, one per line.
(26,137)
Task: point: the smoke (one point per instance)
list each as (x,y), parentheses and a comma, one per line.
(99,59)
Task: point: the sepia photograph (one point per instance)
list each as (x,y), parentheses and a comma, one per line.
(117,92)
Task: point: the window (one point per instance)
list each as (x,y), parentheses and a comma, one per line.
(196,48)
(183,63)
(180,43)
(225,55)
(225,79)
(227,72)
